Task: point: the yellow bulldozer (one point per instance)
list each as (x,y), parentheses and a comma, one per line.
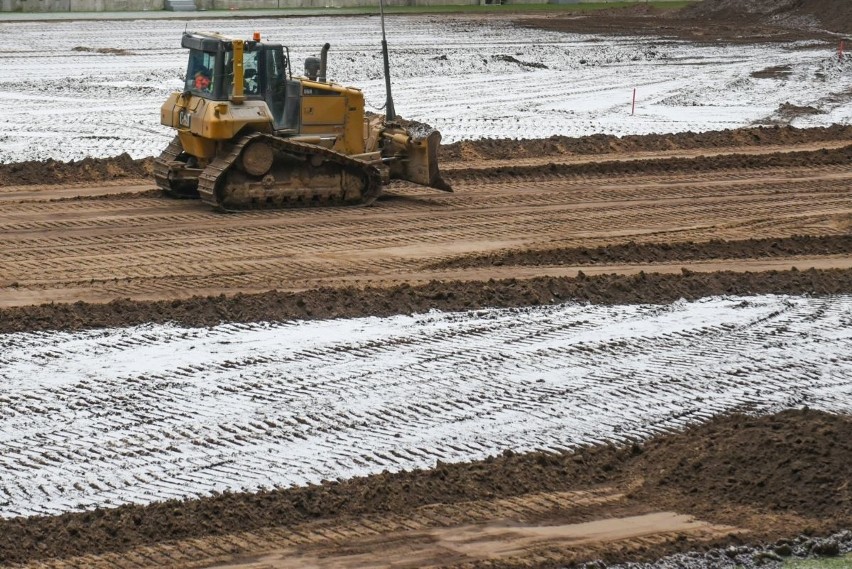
(252,135)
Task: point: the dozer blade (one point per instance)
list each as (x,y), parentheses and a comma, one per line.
(418,159)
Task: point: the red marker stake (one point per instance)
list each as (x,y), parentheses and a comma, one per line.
(840,51)
(633,110)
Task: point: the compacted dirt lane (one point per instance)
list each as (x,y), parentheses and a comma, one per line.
(113,243)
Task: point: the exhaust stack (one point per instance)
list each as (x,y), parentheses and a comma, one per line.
(390,113)
(323,62)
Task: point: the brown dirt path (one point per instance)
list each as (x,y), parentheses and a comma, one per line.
(131,187)
(482,542)
(152,248)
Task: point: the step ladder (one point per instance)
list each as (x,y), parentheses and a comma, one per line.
(180,5)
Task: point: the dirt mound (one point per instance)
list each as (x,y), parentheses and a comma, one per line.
(834,15)
(794,461)
(86,170)
(661,252)
(102,169)
(606,144)
(350,302)
(739,7)
(102,50)
(711,21)
(791,461)
(806,159)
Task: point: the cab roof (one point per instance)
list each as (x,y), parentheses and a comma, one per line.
(212,42)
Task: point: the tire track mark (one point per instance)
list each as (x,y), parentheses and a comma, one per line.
(182,412)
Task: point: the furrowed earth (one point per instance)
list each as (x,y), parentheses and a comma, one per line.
(597,350)
(733,480)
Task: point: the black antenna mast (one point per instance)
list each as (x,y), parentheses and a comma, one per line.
(390,114)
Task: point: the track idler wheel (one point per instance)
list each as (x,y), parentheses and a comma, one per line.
(257,158)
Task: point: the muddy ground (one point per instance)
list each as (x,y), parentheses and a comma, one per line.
(92,170)
(662,252)
(608,144)
(487,160)
(778,476)
(714,21)
(87,170)
(826,157)
(349,302)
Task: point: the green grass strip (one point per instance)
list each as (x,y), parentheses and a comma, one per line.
(844,562)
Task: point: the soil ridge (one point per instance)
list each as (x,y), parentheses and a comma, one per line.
(352,302)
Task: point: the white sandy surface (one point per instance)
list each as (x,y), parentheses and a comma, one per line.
(469,77)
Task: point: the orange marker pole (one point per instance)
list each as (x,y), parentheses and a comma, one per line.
(840,51)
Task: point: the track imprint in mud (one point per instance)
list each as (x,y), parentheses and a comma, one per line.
(520,506)
(116,416)
(145,247)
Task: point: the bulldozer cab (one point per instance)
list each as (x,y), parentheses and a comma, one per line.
(215,62)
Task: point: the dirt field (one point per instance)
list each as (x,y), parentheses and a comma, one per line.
(630,406)
(116,240)
(658,219)
(716,21)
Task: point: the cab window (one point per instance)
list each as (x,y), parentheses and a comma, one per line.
(251,75)
(199,74)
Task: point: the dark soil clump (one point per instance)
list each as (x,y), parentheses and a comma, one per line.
(834,15)
(352,302)
(663,165)
(86,170)
(713,21)
(607,144)
(660,252)
(795,461)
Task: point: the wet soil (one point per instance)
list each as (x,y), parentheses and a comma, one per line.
(660,252)
(793,465)
(776,555)
(123,167)
(86,170)
(607,144)
(349,302)
(833,15)
(824,157)
(713,21)
(102,50)
(793,462)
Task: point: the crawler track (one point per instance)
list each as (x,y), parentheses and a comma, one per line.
(213,183)
(161,173)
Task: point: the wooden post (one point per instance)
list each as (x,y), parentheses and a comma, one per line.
(633,110)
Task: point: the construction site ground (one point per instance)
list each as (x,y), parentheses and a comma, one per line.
(120,239)
(605,416)
(708,215)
